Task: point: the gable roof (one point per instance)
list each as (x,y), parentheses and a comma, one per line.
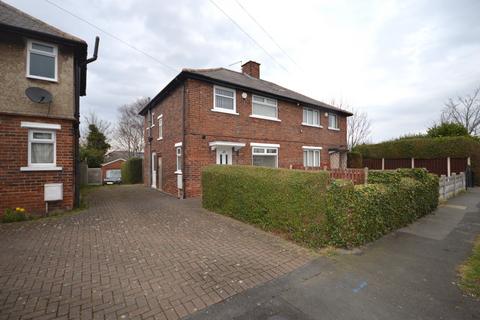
(16,21)
(121,154)
(12,17)
(241,80)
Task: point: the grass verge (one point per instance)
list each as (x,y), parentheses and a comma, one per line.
(470,272)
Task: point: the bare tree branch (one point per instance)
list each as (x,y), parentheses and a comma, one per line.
(465,111)
(358,125)
(129,130)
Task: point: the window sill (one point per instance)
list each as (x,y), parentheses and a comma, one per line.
(178,172)
(311,125)
(224,111)
(334,129)
(158,139)
(41,169)
(265,118)
(42,78)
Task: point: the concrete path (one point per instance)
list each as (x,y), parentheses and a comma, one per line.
(409,274)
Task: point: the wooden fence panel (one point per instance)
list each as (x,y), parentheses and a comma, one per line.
(437,166)
(458,165)
(374,164)
(357,176)
(397,163)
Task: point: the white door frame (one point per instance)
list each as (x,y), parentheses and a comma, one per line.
(153,171)
(224,155)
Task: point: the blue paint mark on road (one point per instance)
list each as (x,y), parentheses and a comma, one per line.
(360,287)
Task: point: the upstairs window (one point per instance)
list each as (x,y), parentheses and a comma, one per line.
(179,158)
(42,61)
(224,100)
(160,127)
(311,117)
(264,108)
(332,121)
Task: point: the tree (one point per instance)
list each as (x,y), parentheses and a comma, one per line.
(465,111)
(103,126)
(358,128)
(129,130)
(93,151)
(358,125)
(447,129)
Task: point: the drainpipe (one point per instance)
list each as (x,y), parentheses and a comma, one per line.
(183,196)
(150,138)
(76,126)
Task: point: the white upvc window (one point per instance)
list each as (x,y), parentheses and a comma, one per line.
(264,108)
(42,60)
(41,148)
(311,117)
(178,150)
(224,100)
(333,121)
(265,155)
(152,119)
(311,156)
(160,127)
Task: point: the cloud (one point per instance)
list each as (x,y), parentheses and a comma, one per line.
(397,60)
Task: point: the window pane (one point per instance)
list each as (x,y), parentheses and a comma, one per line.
(316,159)
(316,118)
(42,135)
(309,117)
(42,66)
(258,150)
(265,161)
(41,47)
(332,121)
(227,93)
(274,151)
(310,158)
(42,153)
(223,102)
(263,110)
(258,99)
(304,115)
(271,101)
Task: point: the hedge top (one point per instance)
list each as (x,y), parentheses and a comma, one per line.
(422,148)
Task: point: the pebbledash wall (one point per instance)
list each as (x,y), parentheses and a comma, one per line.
(26,188)
(202,126)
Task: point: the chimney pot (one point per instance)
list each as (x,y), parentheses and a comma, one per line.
(251,68)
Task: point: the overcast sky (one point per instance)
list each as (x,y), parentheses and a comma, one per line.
(396,60)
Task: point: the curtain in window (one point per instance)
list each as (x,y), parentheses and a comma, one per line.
(42,153)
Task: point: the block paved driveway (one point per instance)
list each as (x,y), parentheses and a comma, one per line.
(134,254)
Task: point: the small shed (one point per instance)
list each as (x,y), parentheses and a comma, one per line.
(112,169)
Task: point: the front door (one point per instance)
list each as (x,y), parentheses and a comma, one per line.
(154,170)
(224,155)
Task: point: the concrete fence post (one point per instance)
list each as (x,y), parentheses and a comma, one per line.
(448,167)
(469,162)
(383,163)
(366,175)
(413,163)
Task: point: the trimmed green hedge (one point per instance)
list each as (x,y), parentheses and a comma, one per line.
(359,214)
(426,148)
(132,171)
(310,208)
(354,160)
(279,200)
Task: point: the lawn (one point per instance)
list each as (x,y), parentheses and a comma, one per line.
(470,272)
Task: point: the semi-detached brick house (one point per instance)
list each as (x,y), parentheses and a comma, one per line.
(208,116)
(38,141)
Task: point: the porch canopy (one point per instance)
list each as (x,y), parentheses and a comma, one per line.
(235,145)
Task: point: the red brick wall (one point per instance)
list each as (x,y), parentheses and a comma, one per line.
(171,108)
(111,166)
(204,126)
(25,189)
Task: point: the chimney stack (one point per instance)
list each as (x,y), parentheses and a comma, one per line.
(251,68)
